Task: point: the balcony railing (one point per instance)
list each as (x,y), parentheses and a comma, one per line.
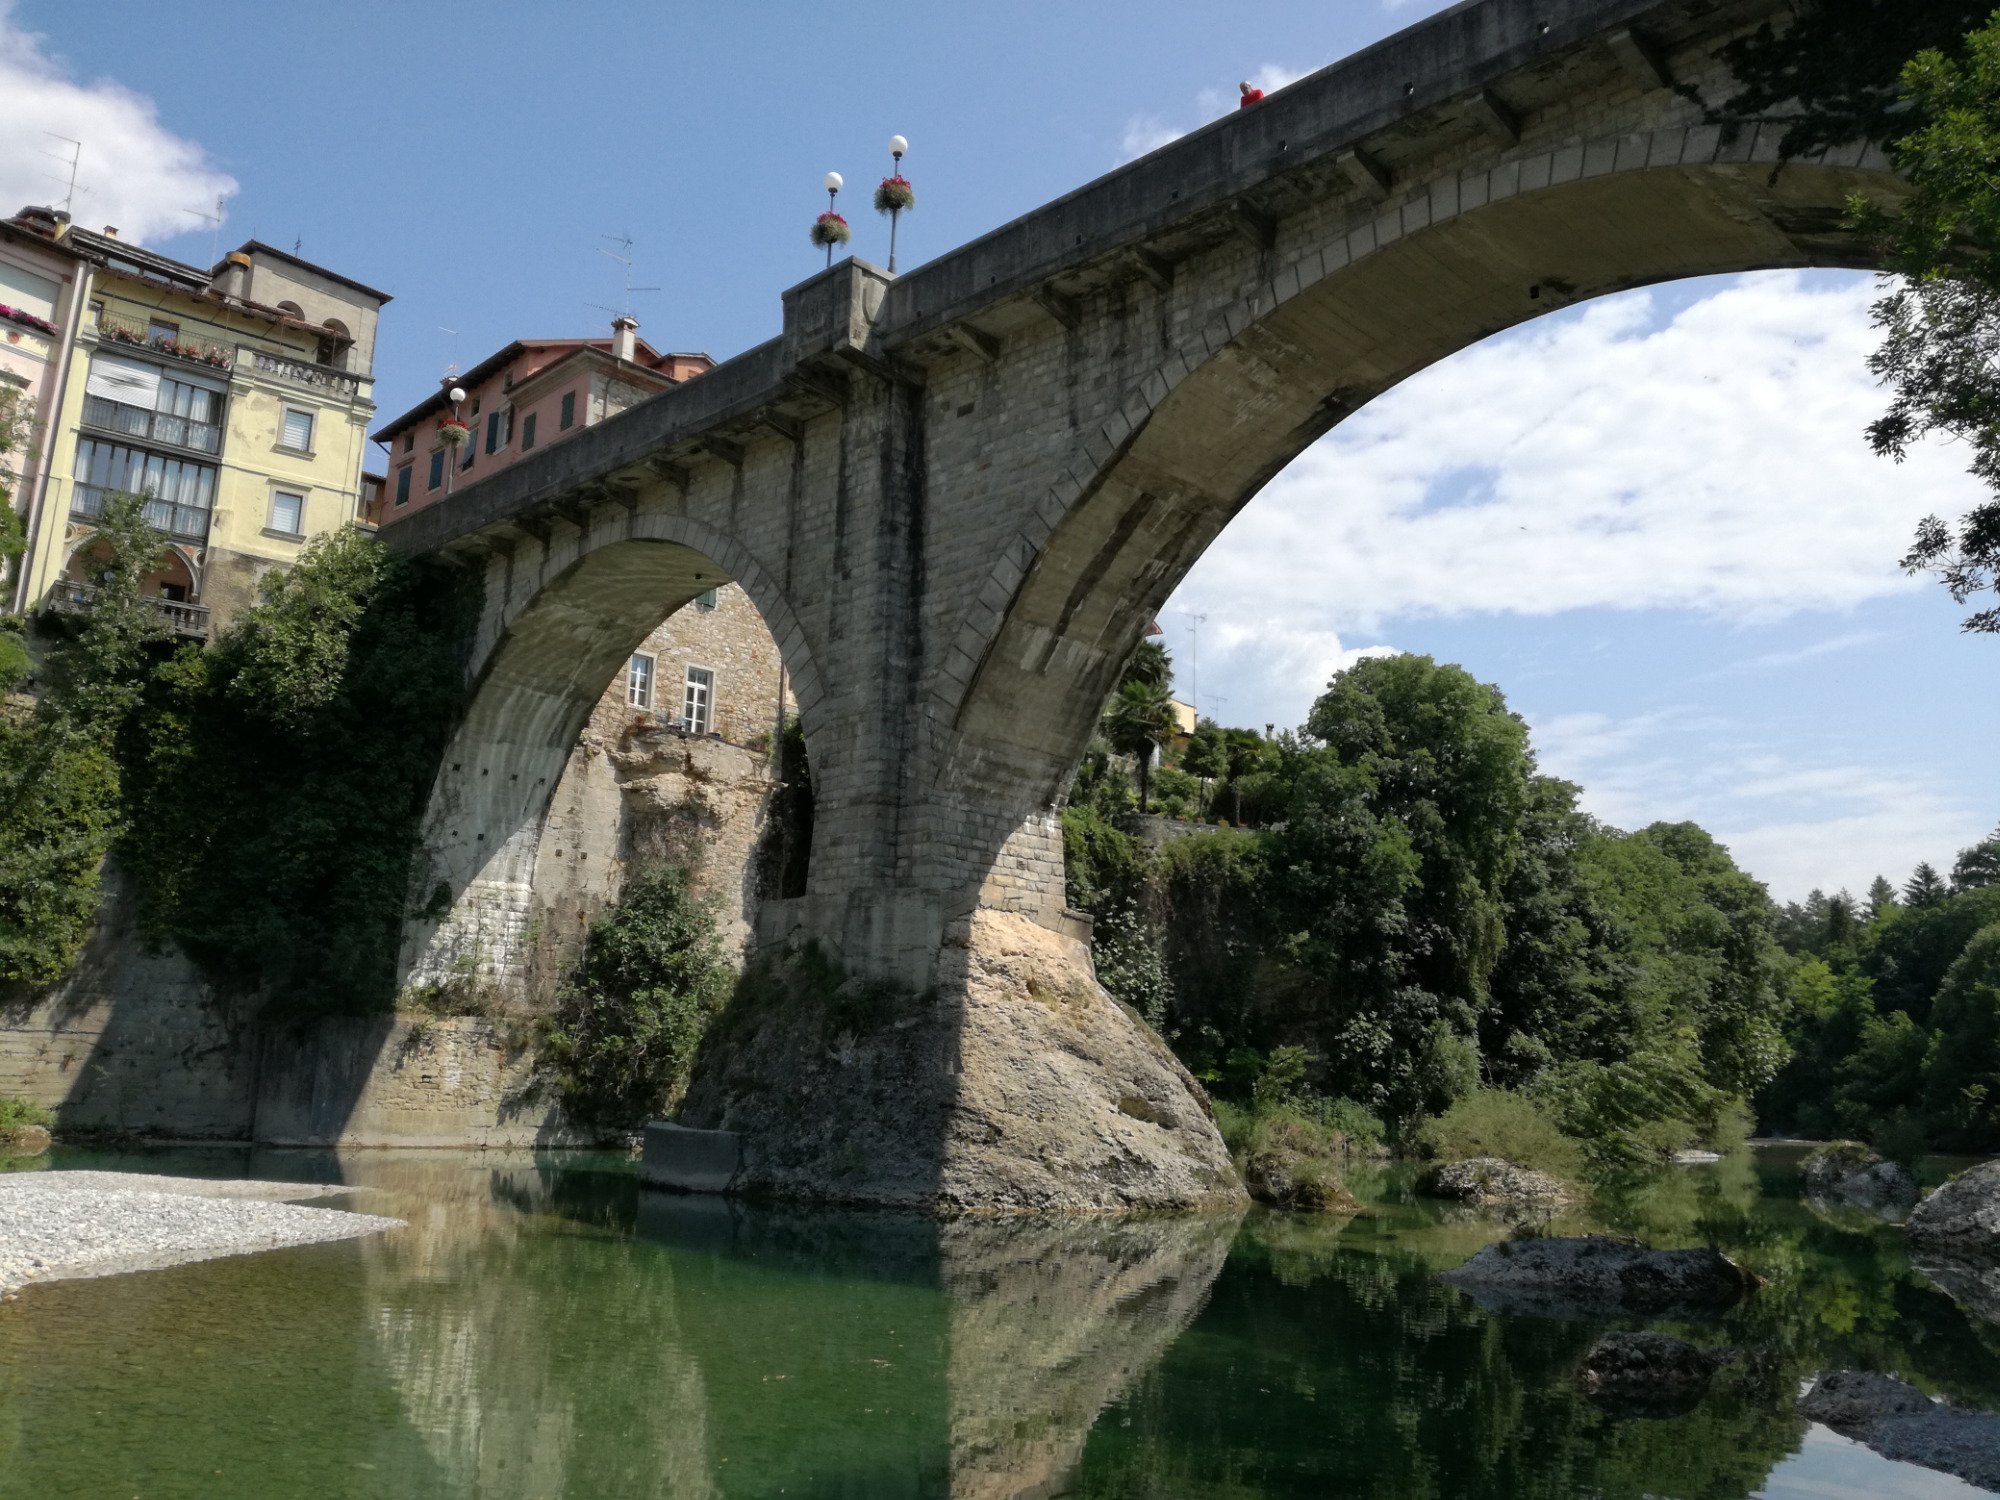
(70,598)
(186,523)
(199,351)
(303,372)
(154,426)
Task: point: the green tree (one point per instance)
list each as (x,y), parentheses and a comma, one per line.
(97,677)
(1881,899)
(1941,319)
(1150,664)
(1138,721)
(1961,1081)
(622,1038)
(1978,867)
(1398,837)
(276,781)
(1924,887)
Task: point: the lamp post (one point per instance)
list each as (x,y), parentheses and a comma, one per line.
(895,194)
(456,396)
(833,183)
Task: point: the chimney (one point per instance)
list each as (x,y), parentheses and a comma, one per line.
(623,337)
(111,231)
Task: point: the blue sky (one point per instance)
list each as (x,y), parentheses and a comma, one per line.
(1651,520)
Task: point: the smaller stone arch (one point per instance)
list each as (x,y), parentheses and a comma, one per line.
(562,616)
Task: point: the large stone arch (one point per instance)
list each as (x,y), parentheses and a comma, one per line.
(1453,261)
(562,613)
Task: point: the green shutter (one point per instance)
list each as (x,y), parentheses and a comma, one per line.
(568,410)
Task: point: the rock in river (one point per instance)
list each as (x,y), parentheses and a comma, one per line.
(1487,1180)
(1596,1276)
(1648,1374)
(1850,1171)
(1962,1218)
(1900,1422)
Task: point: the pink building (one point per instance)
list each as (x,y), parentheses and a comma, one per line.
(532,393)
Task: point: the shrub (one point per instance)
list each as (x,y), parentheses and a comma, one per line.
(15,1113)
(1498,1122)
(621,1041)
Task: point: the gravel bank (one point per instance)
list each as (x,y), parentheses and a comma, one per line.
(58,1225)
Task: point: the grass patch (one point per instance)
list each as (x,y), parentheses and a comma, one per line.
(16,1113)
(1498,1122)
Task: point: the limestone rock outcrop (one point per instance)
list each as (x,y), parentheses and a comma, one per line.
(1962,1218)
(1596,1276)
(1016,1083)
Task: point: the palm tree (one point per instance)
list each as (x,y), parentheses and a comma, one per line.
(1150,664)
(1138,721)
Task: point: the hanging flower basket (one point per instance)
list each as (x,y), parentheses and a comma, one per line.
(830,229)
(453,433)
(895,194)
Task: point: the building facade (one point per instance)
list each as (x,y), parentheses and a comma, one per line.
(235,401)
(532,393)
(711,669)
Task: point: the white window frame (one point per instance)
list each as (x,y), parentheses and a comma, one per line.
(705,721)
(634,697)
(278,493)
(285,413)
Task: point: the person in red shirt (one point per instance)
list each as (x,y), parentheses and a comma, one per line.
(1250,96)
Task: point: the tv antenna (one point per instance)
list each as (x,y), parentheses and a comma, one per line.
(623,255)
(1195,622)
(451,365)
(74,158)
(214,228)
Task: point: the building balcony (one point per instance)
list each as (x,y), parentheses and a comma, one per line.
(151,426)
(305,373)
(67,597)
(184,523)
(195,351)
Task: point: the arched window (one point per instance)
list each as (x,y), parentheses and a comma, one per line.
(291,309)
(333,348)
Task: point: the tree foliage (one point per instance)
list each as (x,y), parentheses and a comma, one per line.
(622,1039)
(276,780)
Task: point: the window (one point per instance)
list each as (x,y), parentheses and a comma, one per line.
(639,682)
(179,494)
(288,512)
(698,699)
(403,483)
(437,468)
(568,411)
(97,314)
(410,441)
(499,429)
(160,330)
(528,431)
(705,601)
(137,399)
(295,431)
(469,449)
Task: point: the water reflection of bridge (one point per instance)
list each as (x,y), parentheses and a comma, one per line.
(727,1349)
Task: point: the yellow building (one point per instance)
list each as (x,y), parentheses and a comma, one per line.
(237,400)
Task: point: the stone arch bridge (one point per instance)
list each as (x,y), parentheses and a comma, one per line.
(959,495)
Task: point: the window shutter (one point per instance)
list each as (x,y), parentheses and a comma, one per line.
(527,432)
(298,430)
(493,432)
(123,380)
(403,483)
(568,410)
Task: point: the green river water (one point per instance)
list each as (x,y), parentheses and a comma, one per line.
(545,1328)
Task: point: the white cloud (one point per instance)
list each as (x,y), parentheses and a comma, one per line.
(1793,822)
(1147,133)
(1714,463)
(1618,455)
(135,172)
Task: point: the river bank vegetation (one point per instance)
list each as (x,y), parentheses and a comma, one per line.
(1420,939)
